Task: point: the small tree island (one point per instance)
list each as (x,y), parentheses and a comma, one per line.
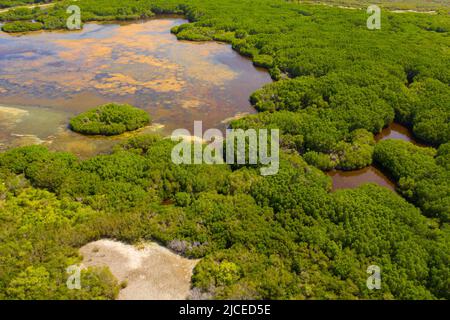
(110,119)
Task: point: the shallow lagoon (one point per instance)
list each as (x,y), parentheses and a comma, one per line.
(55,75)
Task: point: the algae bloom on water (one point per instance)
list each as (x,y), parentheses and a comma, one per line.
(110,119)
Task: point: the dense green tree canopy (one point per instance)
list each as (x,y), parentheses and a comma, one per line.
(422,177)
(283,236)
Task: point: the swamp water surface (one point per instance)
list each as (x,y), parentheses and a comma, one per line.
(48,77)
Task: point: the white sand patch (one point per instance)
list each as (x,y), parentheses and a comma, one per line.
(188,138)
(151,271)
(27,139)
(153,127)
(9,113)
(238,116)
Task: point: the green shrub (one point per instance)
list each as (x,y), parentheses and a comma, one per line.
(264,61)
(319,160)
(22,26)
(110,119)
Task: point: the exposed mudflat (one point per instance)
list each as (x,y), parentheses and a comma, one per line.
(151,271)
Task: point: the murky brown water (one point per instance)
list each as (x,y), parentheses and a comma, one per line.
(353,179)
(398,131)
(51,76)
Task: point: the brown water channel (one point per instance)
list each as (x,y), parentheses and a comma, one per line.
(353,179)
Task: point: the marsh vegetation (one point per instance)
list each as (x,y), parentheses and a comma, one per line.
(279,237)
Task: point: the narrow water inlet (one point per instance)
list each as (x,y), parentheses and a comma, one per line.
(352,179)
(398,131)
